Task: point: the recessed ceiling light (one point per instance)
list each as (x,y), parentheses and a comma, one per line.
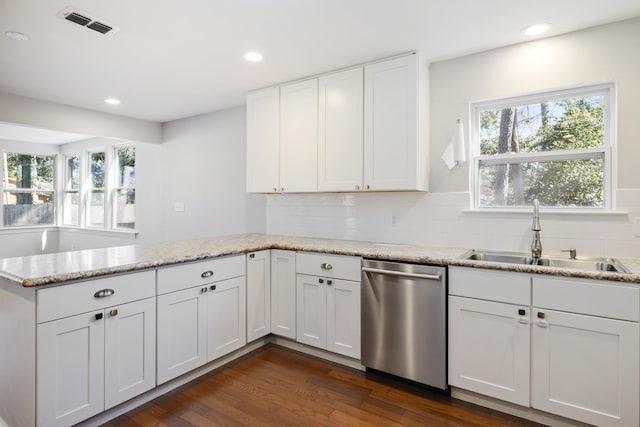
(112,101)
(16,35)
(253,57)
(536,29)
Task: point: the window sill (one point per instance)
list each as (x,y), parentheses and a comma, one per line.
(549,213)
(125,234)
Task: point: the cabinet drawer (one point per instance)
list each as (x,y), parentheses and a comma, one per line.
(335,266)
(592,297)
(185,276)
(76,298)
(512,288)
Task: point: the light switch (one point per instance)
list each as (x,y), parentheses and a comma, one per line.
(178,206)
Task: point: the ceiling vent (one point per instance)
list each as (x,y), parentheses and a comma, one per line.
(87,21)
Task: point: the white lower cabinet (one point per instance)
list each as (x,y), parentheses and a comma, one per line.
(283,293)
(577,340)
(328,307)
(585,358)
(182,333)
(226,317)
(200,323)
(90,362)
(489,348)
(258,294)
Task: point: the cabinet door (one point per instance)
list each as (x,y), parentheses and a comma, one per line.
(258,295)
(393,153)
(312,310)
(489,348)
(226,317)
(340,131)
(130,351)
(585,368)
(263,140)
(70,372)
(182,333)
(299,136)
(343,317)
(283,293)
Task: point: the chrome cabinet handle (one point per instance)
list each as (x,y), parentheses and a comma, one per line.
(206,274)
(212,287)
(104,293)
(357,187)
(367,187)
(329,282)
(326,266)
(252,255)
(113,313)
(320,280)
(275,189)
(99,316)
(541,320)
(203,290)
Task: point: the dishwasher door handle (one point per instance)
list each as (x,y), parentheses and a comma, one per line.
(401,273)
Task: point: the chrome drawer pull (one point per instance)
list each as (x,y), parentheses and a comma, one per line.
(104,293)
(326,266)
(206,274)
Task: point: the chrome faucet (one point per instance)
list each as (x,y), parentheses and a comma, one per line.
(536,244)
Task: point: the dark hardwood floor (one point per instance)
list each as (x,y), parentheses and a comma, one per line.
(274,386)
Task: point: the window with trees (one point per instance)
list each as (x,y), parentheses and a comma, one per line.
(71,191)
(27,189)
(553,146)
(96,194)
(125,189)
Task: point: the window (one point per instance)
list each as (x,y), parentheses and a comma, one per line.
(125,189)
(553,146)
(96,196)
(27,190)
(71,191)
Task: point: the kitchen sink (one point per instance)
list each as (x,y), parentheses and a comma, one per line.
(582,263)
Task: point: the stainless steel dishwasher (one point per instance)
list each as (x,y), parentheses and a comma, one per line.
(404,324)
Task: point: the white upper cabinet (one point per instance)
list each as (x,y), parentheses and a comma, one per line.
(299,137)
(263,141)
(395,145)
(340,131)
(348,131)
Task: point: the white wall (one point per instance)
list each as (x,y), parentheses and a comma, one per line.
(202,163)
(606,53)
(50,115)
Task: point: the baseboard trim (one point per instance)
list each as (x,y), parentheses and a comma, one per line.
(513,409)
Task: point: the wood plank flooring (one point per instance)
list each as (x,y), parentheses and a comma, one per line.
(274,386)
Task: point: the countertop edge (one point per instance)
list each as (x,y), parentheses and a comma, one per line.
(240,244)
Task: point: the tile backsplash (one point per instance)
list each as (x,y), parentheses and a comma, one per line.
(444,219)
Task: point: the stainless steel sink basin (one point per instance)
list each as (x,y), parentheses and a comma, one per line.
(582,263)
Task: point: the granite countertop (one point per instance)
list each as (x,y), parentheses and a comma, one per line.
(39,270)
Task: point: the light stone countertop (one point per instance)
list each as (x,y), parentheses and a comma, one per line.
(39,270)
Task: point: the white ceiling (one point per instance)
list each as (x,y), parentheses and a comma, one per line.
(176,58)
(12,132)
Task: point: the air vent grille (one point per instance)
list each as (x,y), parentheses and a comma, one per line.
(87,21)
(99,27)
(77,18)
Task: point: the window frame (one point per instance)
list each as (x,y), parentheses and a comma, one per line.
(115,188)
(54,191)
(606,151)
(64,190)
(89,189)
